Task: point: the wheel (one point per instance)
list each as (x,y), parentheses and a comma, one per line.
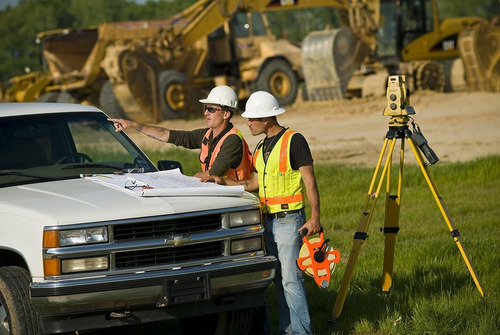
(48,97)
(172,97)
(109,103)
(75,157)
(278,78)
(66,97)
(17,316)
(495,78)
(236,322)
(430,76)
(305,95)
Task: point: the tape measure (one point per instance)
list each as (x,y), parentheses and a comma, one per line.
(317,258)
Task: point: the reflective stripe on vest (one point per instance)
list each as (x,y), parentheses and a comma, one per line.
(280,187)
(243,171)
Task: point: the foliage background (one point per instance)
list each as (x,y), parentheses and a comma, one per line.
(20,24)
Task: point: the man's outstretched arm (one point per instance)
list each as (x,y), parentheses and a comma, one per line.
(157,133)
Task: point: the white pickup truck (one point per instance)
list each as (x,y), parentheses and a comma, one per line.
(83,245)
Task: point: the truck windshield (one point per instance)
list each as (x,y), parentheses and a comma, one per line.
(36,148)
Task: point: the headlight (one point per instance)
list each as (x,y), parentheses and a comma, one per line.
(246,245)
(83,236)
(84,264)
(238,219)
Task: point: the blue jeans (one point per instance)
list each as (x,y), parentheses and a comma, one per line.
(283,241)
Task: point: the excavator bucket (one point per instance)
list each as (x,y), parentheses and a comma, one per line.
(480,52)
(140,69)
(329,59)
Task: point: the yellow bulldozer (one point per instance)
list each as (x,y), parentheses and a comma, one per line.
(155,70)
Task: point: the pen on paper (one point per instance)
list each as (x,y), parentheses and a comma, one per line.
(100,175)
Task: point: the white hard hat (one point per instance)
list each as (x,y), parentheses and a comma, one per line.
(262,104)
(222,95)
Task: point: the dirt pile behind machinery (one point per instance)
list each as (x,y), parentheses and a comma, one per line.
(458,126)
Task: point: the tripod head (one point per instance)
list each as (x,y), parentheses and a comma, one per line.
(398,98)
(399,109)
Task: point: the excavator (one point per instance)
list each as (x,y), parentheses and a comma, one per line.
(405,37)
(150,71)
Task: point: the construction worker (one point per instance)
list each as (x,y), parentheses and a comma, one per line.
(282,161)
(224,152)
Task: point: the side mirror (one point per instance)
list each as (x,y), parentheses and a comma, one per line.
(169,165)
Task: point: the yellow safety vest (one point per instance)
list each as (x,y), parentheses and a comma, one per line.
(280,187)
(243,171)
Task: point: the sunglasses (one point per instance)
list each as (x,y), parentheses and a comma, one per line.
(212,109)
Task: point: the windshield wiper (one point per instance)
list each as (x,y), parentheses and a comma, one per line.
(91,165)
(29,175)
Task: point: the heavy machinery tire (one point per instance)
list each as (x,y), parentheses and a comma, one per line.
(48,97)
(236,322)
(305,96)
(17,316)
(430,76)
(495,78)
(172,94)
(278,78)
(108,102)
(66,97)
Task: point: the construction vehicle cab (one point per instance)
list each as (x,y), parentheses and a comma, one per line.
(245,48)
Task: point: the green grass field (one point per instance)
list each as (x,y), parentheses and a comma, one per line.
(433,291)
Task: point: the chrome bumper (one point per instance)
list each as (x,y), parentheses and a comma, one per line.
(125,292)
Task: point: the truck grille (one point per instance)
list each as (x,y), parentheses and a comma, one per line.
(167,227)
(166,255)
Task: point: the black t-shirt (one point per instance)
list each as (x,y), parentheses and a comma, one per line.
(300,153)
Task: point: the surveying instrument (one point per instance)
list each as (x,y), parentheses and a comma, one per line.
(399,110)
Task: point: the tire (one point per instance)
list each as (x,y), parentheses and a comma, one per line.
(108,102)
(305,95)
(66,97)
(17,316)
(236,322)
(172,94)
(278,78)
(430,76)
(48,97)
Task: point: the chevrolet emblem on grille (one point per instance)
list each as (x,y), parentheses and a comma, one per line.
(177,241)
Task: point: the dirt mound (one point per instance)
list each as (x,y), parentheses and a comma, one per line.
(458,126)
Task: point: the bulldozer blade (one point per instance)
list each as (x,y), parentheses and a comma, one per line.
(329,59)
(479,50)
(140,71)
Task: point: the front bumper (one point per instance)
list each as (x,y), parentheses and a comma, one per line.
(221,286)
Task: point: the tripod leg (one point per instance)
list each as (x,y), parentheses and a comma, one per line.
(360,235)
(444,211)
(391,226)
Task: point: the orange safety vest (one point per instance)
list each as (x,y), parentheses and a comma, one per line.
(280,187)
(243,171)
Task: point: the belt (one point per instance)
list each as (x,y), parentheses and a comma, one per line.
(281,215)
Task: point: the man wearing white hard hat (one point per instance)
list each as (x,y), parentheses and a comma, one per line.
(282,163)
(224,152)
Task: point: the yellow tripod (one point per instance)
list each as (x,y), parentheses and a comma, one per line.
(398,109)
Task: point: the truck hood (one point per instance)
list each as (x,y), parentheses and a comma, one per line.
(81,200)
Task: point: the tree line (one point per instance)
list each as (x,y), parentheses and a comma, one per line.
(19,25)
